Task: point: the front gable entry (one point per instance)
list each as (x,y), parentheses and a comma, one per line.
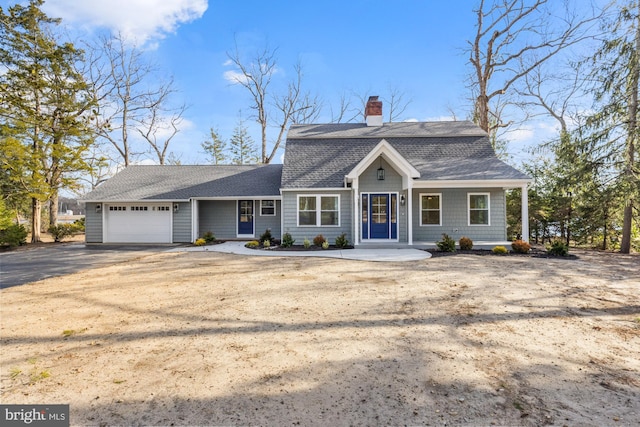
(390,155)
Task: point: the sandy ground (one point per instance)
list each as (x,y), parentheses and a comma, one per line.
(203,338)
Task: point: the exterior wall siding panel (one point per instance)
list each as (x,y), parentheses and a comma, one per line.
(219,217)
(182,223)
(455,216)
(290,219)
(93,224)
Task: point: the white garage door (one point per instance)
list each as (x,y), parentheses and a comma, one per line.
(138,223)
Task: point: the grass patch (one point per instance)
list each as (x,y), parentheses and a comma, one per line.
(70,332)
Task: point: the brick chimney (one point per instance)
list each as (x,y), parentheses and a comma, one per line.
(373,112)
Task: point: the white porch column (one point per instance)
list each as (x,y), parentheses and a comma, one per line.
(357,213)
(410,213)
(194,220)
(525,213)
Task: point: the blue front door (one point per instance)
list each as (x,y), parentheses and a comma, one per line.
(379,208)
(245,217)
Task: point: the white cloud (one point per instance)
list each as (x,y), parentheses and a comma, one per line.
(234,77)
(140,20)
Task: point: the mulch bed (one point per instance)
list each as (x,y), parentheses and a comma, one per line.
(533,253)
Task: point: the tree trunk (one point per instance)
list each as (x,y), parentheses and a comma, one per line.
(36,211)
(53,209)
(625,246)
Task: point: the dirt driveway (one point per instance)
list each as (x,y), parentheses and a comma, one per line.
(204,338)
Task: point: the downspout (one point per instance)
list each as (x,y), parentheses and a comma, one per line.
(409,211)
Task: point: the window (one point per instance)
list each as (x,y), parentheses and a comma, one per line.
(267,207)
(430,209)
(318,211)
(117,208)
(139,208)
(164,208)
(478,208)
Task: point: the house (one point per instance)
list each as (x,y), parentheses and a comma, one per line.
(402,183)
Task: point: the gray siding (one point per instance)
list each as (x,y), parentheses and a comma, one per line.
(455,216)
(182,223)
(219,217)
(93,223)
(290,212)
(264,222)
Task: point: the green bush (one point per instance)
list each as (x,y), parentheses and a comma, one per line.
(60,231)
(266,243)
(80,223)
(287,240)
(209,237)
(325,245)
(266,235)
(447,244)
(200,242)
(319,240)
(500,250)
(252,244)
(306,243)
(466,244)
(13,235)
(520,247)
(342,241)
(558,248)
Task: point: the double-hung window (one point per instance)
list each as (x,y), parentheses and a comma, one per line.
(267,208)
(478,208)
(431,209)
(317,211)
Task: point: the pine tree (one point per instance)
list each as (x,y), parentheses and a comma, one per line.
(215,148)
(242,147)
(44,101)
(613,142)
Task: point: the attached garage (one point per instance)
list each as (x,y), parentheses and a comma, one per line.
(137,223)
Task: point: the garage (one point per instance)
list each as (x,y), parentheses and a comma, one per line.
(137,223)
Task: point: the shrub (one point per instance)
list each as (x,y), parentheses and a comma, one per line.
(287,240)
(252,244)
(319,240)
(266,235)
(558,248)
(306,243)
(266,243)
(13,235)
(500,250)
(447,244)
(209,237)
(61,231)
(342,241)
(80,224)
(520,247)
(325,245)
(466,244)
(200,242)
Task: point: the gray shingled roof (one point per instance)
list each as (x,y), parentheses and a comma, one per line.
(319,156)
(137,183)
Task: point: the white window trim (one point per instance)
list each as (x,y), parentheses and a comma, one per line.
(274,207)
(318,210)
(439,224)
(488,209)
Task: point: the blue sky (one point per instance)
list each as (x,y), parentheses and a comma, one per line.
(354,46)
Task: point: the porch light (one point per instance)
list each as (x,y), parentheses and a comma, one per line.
(176,207)
(380,172)
(403,200)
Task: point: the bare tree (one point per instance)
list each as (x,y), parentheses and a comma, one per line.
(294,106)
(395,104)
(131,98)
(513,38)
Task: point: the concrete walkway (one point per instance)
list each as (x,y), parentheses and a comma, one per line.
(378,254)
